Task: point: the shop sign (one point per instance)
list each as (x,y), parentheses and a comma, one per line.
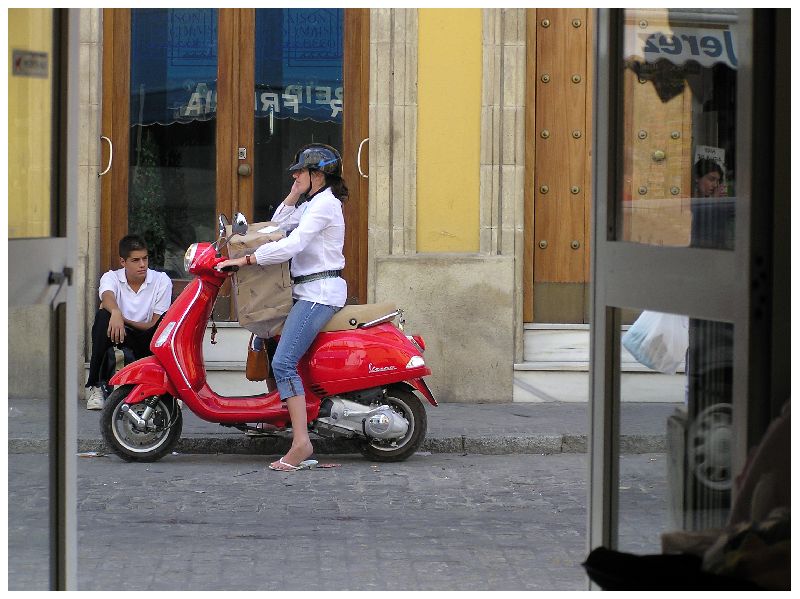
(29,64)
(679,45)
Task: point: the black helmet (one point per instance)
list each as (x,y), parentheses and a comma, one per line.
(320,157)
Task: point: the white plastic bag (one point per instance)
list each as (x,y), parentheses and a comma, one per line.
(658,340)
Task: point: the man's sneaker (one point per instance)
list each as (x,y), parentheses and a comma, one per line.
(95,399)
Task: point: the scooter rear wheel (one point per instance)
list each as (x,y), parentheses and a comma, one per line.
(160,435)
(410,407)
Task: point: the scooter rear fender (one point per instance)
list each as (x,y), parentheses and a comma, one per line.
(421,386)
(148,377)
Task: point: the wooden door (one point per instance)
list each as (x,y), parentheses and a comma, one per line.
(558,165)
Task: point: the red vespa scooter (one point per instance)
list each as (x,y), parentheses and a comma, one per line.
(359,376)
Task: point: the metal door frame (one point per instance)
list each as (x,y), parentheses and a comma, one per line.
(67,429)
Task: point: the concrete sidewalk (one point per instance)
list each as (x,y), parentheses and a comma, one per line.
(491,429)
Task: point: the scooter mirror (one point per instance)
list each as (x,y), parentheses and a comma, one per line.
(223,223)
(239,224)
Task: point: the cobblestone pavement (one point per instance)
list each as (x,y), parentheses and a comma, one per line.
(434,522)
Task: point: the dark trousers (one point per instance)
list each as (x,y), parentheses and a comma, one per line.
(135,340)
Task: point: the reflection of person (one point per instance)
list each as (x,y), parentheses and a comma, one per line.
(132,300)
(713,215)
(314,245)
(708,178)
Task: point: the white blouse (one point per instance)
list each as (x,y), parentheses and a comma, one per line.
(314,244)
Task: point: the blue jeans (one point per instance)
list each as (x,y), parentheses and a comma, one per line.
(305,320)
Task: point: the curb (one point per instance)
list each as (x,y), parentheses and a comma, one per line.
(489,445)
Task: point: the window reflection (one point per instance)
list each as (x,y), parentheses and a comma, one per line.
(679,107)
(299,94)
(172,177)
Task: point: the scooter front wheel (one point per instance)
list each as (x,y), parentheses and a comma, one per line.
(136,439)
(409,407)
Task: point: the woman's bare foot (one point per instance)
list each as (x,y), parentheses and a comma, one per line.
(294,456)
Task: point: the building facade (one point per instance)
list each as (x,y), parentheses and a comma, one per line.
(430,108)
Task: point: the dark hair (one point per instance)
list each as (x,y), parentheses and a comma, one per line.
(705,165)
(338,187)
(131,243)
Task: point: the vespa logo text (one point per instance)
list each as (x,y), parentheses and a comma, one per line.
(381,368)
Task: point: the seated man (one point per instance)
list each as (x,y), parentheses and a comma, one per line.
(132,300)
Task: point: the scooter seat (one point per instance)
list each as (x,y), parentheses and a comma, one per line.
(351,316)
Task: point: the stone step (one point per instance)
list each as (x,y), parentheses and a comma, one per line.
(555,367)
(573,386)
(565,347)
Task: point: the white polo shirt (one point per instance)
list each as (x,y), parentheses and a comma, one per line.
(153,297)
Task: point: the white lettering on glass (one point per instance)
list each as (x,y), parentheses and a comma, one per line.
(691,45)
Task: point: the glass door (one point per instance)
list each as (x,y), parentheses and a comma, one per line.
(43,175)
(679,240)
(207,108)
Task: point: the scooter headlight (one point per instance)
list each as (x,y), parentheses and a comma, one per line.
(188,257)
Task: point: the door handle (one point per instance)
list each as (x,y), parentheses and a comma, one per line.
(244,170)
(358,157)
(110,155)
(59,278)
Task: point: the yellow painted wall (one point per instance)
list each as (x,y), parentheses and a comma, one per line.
(29,127)
(448,130)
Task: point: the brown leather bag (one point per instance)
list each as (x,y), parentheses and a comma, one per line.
(257,368)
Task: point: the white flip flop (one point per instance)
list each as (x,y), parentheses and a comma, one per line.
(304,465)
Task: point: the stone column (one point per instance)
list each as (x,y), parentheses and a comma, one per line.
(91,85)
(393,135)
(503,144)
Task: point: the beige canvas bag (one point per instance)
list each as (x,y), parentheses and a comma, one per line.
(262,294)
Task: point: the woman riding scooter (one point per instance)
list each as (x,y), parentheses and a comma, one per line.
(314,244)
